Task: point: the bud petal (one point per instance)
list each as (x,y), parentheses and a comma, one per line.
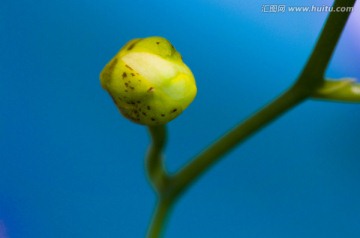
(148,81)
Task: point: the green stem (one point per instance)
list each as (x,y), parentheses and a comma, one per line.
(159,219)
(237,135)
(313,73)
(154,160)
(159,179)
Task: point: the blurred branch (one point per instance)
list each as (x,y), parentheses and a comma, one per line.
(313,73)
(159,219)
(239,134)
(309,81)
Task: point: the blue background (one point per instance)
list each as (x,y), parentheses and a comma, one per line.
(71,166)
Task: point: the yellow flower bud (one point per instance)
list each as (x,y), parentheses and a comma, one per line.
(341,90)
(148,81)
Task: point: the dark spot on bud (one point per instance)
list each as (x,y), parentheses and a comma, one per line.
(148,107)
(150,89)
(162,115)
(126,84)
(127,66)
(174,110)
(124,75)
(132,74)
(144,113)
(157,42)
(131,46)
(113,63)
(153,119)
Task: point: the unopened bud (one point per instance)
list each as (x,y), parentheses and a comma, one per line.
(148,81)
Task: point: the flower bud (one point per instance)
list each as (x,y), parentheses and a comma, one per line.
(341,90)
(148,81)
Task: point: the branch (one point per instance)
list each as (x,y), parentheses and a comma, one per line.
(310,80)
(159,218)
(313,73)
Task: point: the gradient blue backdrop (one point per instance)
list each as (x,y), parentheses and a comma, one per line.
(71,166)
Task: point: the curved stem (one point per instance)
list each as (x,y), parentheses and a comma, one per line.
(154,160)
(159,179)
